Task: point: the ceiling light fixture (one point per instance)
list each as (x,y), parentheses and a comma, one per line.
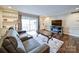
(9,7)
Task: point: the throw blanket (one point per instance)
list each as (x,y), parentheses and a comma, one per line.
(54,44)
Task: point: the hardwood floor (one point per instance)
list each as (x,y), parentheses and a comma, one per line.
(71,44)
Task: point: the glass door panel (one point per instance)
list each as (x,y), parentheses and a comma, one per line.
(33,25)
(29,25)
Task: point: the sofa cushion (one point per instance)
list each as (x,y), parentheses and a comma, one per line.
(30,44)
(12,33)
(41,49)
(12,41)
(10,45)
(3,50)
(7,44)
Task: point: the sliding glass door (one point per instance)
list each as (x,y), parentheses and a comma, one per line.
(25,24)
(30,23)
(33,25)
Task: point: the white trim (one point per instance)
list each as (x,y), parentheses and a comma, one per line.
(72,34)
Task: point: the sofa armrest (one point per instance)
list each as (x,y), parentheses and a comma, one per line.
(23,38)
(21,32)
(41,49)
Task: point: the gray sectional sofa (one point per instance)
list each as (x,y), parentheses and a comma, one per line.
(12,43)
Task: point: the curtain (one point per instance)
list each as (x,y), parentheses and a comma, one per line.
(19,22)
(30,23)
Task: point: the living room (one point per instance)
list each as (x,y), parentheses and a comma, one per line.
(55,30)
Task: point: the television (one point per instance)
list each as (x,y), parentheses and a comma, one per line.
(56,29)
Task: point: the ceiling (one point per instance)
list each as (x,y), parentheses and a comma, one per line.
(46,10)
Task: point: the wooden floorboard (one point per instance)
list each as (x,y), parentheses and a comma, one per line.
(71,44)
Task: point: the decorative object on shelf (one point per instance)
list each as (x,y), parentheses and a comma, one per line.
(5,20)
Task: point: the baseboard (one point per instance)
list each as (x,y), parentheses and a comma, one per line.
(72,35)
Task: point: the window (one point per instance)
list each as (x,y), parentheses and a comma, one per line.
(29,23)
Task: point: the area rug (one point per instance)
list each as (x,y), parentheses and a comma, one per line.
(41,39)
(54,45)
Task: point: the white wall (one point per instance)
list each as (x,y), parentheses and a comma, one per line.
(71,24)
(45,22)
(41,22)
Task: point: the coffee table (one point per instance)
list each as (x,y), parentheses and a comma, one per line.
(46,33)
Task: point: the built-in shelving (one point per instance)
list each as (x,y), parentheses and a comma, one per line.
(56,26)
